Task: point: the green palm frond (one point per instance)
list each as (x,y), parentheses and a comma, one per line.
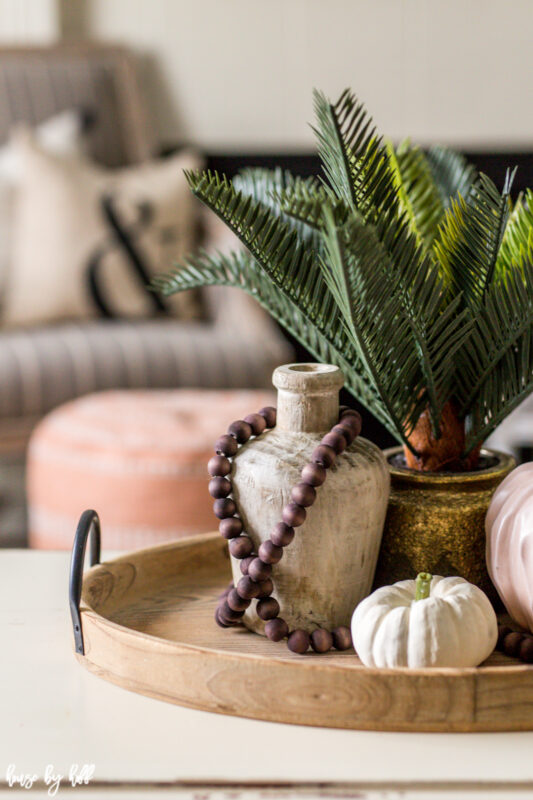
(517,242)
(270,186)
(276,247)
(373,333)
(396,254)
(353,156)
(497,366)
(289,263)
(452,173)
(321,335)
(418,193)
(407,269)
(383,306)
(470,238)
(307,203)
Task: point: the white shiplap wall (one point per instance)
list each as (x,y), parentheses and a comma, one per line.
(28,21)
(237,74)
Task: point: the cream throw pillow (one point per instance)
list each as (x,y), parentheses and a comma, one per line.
(59,226)
(62,135)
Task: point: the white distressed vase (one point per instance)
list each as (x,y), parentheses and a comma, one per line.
(329,566)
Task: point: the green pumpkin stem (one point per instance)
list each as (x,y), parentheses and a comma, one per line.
(423,584)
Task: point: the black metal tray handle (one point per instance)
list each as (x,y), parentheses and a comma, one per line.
(89,525)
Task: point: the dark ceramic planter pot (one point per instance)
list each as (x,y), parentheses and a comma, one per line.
(436,521)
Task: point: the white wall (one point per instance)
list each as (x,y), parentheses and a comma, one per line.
(238,74)
(28,21)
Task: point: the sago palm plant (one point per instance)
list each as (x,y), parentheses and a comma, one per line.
(409,270)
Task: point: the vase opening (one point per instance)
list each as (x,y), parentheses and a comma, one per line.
(312,368)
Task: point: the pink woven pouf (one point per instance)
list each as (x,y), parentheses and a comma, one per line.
(138,457)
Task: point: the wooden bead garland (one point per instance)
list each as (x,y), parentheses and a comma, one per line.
(515,643)
(256,582)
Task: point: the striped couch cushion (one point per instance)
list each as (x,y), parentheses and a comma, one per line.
(44,367)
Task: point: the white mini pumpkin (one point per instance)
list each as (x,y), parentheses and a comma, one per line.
(509,528)
(452,624)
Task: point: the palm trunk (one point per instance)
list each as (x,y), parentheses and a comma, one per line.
(444,454)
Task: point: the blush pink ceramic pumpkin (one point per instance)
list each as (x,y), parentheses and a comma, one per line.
(509,528)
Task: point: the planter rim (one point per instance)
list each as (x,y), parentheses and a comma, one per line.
(505,463)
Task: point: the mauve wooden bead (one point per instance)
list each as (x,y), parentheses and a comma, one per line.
(351,424)
(219,621)
(219,465)
(269,552)
(224,507)
(512,643)
(345,411)
(325,455)
(346,431)
(336,440)
(257,423)
(353,418)
(268,608)
(236,602)
(241,430)
(303,494)
(526,650)
(219,487)
(241,547)
(228,615)
(259,571)
(269,413)
(247,588)
(276,629)
(282,534)
(245,563)
(226,445)
(265,588)
(342,638)
(321,640)
(314,474)
(503,630)
(294,515)
(230,527)
(298,641)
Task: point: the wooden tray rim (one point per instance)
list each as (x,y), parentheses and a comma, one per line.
(306,663)
(473,699)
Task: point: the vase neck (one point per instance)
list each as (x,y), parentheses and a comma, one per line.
(308,397)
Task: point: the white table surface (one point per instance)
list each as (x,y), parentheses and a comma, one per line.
(52,711)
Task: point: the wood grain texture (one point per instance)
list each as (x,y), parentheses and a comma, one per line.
(148,626)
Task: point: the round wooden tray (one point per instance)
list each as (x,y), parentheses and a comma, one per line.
(147,624)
